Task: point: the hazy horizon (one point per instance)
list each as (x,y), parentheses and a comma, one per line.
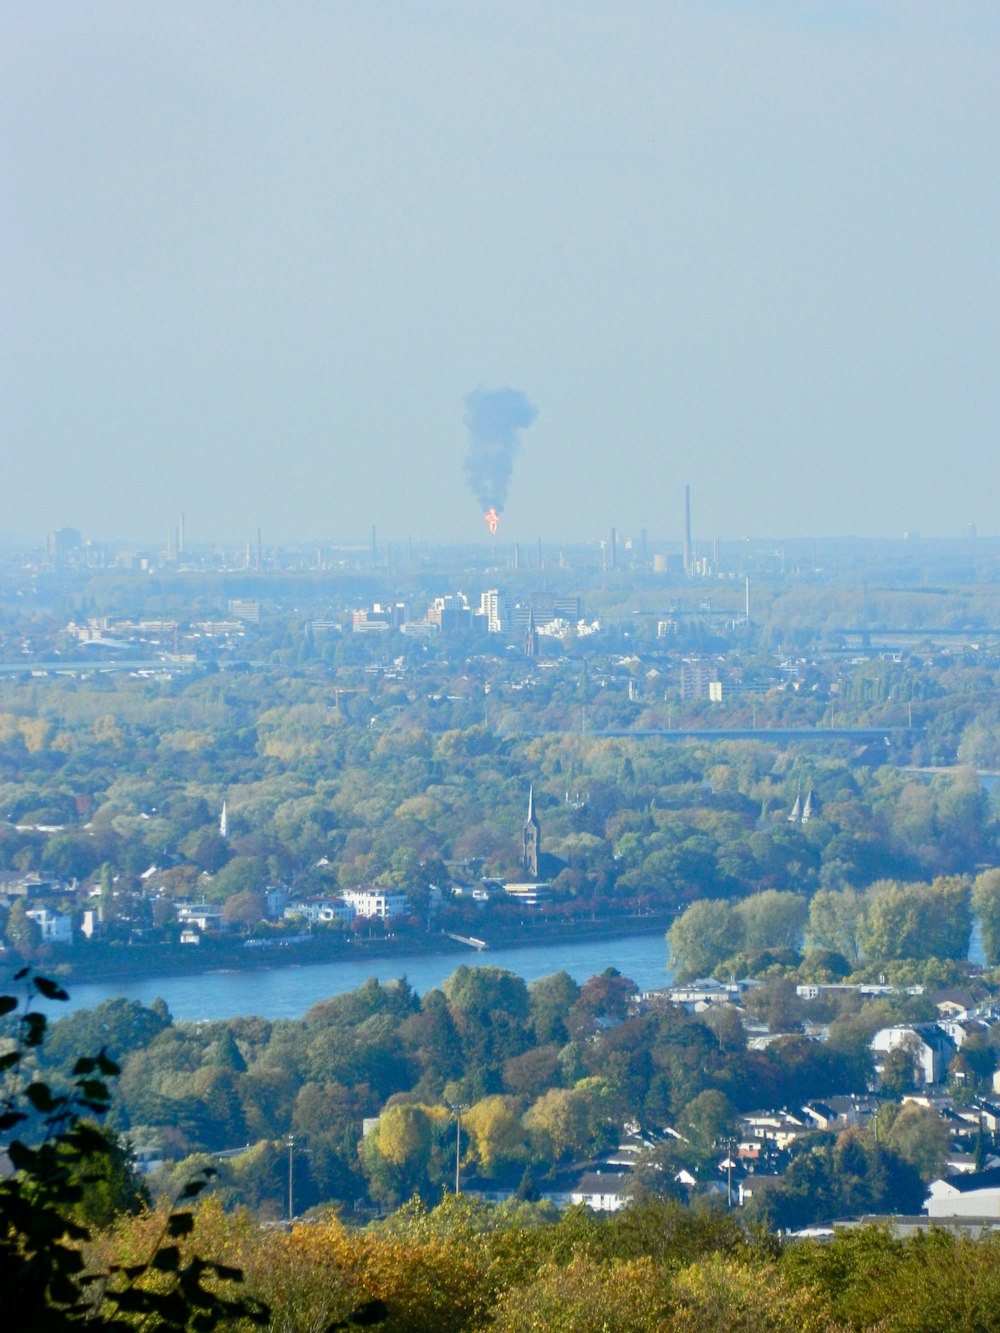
(258,260)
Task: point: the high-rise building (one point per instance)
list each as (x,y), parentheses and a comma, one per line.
(63,547)
(493,605)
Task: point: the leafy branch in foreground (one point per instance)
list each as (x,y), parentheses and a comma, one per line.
(56,1148)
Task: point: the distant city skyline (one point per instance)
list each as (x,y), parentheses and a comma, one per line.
(258,261)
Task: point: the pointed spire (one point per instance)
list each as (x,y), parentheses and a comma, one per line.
(796,815)
(807,809)
(531,838)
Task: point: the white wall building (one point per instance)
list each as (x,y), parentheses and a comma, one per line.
(931,1048)
(529,895)
(376,902)
(493,605)
(56,927)
(320,911)
(975,1194)
(603,1193)
(200,916)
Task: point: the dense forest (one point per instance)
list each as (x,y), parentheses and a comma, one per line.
(117,783)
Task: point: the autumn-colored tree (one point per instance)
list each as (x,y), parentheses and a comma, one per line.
(496,1132)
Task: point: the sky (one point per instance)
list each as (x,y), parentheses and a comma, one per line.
(256,257)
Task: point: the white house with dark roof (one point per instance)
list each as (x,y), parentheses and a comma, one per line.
(931,1047)
(602,1191)
(971,1194)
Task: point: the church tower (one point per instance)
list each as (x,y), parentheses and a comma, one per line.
(532,838)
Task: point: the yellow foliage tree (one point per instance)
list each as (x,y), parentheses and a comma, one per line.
(496,1132)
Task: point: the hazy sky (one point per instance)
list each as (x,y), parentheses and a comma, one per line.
(255,256)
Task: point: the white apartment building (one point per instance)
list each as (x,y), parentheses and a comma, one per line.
(376,902)
(493,605)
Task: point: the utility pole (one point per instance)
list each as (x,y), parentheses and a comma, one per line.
(291,1197)
(458,1151)
(458,1108)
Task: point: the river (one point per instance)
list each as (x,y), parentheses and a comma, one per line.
(288,991)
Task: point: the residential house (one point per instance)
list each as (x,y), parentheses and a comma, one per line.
(931,1047)
(972,1194)
(203,917)
(604,1192)
(319,911)
(56,927)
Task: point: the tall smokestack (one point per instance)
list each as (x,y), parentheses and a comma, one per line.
(687,531)
(613,549)
(180,537)
(260,553)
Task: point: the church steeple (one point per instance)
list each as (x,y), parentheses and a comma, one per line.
(532,838)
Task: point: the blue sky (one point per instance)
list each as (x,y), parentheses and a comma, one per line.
(256,256)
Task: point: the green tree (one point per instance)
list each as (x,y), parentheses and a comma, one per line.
(396,1153)
(226,1054)
(119,1026)
(109,1184)
(772,919)
(919,1136)
(570,1121)
(899,1069)
(23,933)
(986,906)
(706,1120)
(703,936)
(836,920)
(550,1000)
(918,920)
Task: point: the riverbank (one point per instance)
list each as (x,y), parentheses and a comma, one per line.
(96,963)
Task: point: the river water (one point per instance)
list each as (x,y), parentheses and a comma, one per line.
(288,991)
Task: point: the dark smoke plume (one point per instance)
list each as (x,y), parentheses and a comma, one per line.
(494,419)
